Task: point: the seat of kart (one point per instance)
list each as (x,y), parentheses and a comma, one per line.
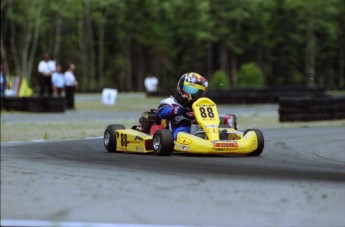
(150,122)
(155,128)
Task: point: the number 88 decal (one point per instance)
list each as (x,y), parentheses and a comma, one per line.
(206,112)
(123,140)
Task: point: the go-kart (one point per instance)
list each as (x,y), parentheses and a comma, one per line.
(209,134)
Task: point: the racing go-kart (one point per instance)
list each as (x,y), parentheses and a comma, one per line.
(210,134)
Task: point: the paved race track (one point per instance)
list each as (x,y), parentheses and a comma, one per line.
(298,180)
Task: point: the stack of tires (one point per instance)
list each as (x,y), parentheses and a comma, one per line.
(259,95)
(34,104)
(249,95)
(54,104)
(13,103)
(311,108)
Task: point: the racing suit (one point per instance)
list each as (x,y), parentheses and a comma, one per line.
(172,110)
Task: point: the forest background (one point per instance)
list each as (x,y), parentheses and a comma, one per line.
(116,43)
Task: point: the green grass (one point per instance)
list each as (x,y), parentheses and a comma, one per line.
(123,104)
(54,131)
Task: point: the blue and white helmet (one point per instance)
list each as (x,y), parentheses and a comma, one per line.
(192,86)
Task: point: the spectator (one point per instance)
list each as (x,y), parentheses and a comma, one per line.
(70,85)
(151,83)
(46,67)
(58,80)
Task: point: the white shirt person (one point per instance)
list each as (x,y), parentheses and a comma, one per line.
(45,68)
(70,85)
(58,79)
(70,79)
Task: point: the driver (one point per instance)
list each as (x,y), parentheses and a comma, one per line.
(177,108)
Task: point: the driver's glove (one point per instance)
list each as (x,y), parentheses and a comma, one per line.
(178,110)
(189,115)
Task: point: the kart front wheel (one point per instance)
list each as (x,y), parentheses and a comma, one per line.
(260,139)
(163,142)
(109,139)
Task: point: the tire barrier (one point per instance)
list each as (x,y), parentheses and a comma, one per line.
(311,108)
(13,103)
(254,96)
(34,104)
(250,96)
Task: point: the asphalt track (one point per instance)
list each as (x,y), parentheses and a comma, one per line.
(299,180)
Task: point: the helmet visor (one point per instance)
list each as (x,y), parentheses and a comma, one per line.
(194,90)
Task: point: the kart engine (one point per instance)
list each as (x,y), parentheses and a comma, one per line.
(148,119)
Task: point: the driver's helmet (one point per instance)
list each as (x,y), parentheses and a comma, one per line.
(192,86)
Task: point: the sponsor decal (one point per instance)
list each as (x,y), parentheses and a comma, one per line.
(133,142)
(205,105)
(183,147)
(230,144)
(184,141)
(139,138)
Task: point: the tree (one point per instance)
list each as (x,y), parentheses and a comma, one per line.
(250,76)
(115,43)
(219,80)
(229,19)
(21,32)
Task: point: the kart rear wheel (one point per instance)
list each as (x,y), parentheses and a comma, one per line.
(163,142)
(261,142)
(109,139)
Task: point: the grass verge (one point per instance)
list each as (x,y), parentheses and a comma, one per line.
(136,102)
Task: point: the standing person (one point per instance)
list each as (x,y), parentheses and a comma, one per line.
(46,67)
(58,80)
(70,85)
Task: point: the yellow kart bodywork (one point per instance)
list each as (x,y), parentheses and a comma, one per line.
(206,115)
(241,145)
(130,140)
(251,142)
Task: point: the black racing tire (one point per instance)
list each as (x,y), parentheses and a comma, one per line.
(54,104)
(14,103)
(261,142)
(109,139)
(35,104)
(163,142)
